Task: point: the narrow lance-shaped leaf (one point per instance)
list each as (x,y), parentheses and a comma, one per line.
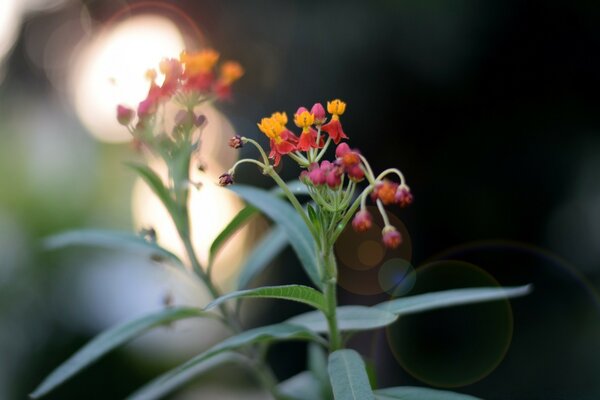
(111,239)
(293,225)
(109,340)
(244,216)
(348,376)
(419,393)
(299,293)
(233,226)
(263,253)
(450,298)
(179,375)
(350,318)
(303,386)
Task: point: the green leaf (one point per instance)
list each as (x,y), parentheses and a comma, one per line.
(179,375)
(419,393)
(450,298)
(350,318)
(288,219)
(110,239)
(263,253)
(232,227)
(154,181)
(317,364)
(108,341)
(296,187)
(348,376)
(303,386)
(299,293)
(314,218)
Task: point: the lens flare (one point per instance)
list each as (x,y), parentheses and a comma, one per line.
(454,346)
(362,256)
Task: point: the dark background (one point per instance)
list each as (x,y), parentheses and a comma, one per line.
(489,108)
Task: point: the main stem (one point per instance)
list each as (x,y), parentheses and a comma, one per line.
(335,339)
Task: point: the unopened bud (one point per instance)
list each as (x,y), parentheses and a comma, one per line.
(124,115)
(226,179)
(236,142)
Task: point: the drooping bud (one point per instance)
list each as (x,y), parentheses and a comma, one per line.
(124,115)
(236,142)
(319,112)
(226,179)
(385,191)
(342,149)
(362,221)
(403,196)
(200,120)
(355,173)
(391,237)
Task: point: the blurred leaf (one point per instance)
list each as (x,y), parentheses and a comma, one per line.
(317,364)
(232,227)
(350,318)
(110,239)
(418,393)
(109,340)
(179,375)
(154,181)
(288,219)
(262,254)
(295,186)
(303,386)
(348,376)
(299,293)
(450,298)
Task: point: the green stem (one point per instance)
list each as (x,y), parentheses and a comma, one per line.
(335,339)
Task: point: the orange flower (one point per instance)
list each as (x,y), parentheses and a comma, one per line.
(334,127)
(281,139)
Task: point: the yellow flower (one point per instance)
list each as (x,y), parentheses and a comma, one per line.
(336,107)
(231,71)
(280,117)
(271,128)
(304,119)
(199,62)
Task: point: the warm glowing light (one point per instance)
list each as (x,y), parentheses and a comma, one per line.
(211,207)
(10,16)
(111,69)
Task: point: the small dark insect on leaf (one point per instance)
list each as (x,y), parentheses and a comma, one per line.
(148,234)
(168,299)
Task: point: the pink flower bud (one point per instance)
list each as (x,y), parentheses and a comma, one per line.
(319,112)
(236,142)
(362,221)
(301,110)
(342,149)
(333,178)
(317,176)
(403,196)
(225,179)
(356,173)
(124,115)
(391,237)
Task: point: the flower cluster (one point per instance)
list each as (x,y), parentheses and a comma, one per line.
(190,80)
(331,183)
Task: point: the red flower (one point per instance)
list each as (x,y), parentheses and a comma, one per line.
(281,140)
(334,127)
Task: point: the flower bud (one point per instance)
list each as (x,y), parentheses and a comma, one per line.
(319,112)
(355,173)
(200,120)
(317,176)
(236,142)
(226,179)
(391,237)
(342,149)
(385,191)
(403,196)
(362,221)
(124,115)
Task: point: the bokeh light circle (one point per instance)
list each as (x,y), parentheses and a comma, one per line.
(361,257)
(397,277)
(454,346)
